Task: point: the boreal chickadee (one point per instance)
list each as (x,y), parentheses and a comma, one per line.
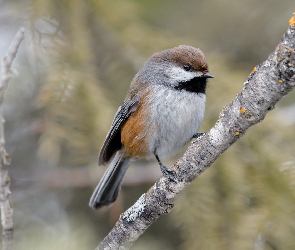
(162,111)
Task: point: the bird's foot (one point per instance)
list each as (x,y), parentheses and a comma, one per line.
(198,135)
(168,172)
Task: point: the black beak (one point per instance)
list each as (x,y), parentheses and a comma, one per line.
(207,75)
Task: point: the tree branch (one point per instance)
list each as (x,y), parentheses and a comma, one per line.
(5,205)
(265,86)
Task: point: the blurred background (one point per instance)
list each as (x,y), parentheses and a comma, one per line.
(75,66)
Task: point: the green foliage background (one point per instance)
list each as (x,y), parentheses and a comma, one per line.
(75,69)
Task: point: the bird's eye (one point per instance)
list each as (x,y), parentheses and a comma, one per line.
(187,67)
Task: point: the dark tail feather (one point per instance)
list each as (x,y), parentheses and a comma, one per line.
(108,188)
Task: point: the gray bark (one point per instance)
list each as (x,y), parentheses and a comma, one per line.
(265,86)
(5,205)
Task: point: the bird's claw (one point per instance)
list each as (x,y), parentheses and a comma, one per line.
(168,172)
(198,135)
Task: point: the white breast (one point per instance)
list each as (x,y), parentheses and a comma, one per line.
(174,118)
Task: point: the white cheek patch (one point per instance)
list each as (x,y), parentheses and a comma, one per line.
(180,75)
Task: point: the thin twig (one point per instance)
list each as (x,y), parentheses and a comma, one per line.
(5,205)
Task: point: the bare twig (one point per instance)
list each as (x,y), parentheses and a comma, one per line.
(5,205)
(265,86)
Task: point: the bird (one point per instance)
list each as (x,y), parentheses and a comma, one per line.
(162,111)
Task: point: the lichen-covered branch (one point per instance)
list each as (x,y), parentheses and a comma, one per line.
(5,205)
(265,86)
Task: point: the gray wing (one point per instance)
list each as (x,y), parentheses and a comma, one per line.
(113,142)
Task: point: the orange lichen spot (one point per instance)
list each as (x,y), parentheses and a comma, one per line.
(253,70)
(280,80)
(292,21)
(243,111)
(237,133)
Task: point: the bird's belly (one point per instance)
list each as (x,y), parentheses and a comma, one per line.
(175,117)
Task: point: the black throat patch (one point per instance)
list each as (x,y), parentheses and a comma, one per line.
(195,85)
